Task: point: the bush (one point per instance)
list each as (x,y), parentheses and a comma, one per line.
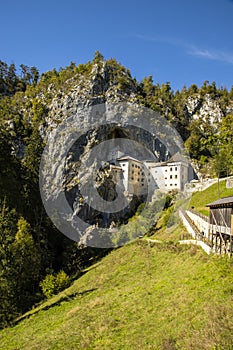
(53,284)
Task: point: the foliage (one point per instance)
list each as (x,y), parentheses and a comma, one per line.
(200,199)
(19,265)
(53,284)
(30,246)
(11,82)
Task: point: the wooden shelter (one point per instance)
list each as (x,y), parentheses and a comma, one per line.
(221,225)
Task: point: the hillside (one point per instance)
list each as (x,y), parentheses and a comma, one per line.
(200,199)
(33,107)
(144,295)
(138,297)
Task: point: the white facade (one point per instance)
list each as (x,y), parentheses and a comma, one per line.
(170,175)
(140,176)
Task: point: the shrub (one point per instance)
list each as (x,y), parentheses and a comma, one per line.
(53,284)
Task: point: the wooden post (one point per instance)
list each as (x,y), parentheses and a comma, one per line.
(231,236)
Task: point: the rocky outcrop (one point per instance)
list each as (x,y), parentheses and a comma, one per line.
(103,84)
(206,109)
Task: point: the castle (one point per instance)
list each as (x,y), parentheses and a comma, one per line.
(139,175)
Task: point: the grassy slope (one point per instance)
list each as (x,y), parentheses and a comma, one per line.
(138,297)
(200,199)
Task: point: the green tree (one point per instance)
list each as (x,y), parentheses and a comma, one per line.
(53,284)
(35,75)
(26,265)
(98,57)
(8,307)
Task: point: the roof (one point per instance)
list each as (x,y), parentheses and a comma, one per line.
(222,202)
(128,158)
(177,157)
(159,164)
(113,166)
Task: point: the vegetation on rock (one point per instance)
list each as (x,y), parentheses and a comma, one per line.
(31,248)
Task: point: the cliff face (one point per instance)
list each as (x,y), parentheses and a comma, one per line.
(108,87)
(206,108)
(104,84)
(99,102)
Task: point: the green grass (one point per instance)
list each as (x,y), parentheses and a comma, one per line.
(200,199)
(144,295)
(164,296)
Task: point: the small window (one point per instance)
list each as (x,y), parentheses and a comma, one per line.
(176,168)
(142,184)
(166,170)
(123,164)
(131,178)
(175,184)
(132,172)
(170,169)
(170,184)
(132,165)
(175,176)
(142,180)
(170,176)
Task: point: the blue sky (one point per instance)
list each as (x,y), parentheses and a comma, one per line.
(180,41)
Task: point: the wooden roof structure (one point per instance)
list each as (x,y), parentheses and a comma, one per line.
(226,202)
(221,225)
